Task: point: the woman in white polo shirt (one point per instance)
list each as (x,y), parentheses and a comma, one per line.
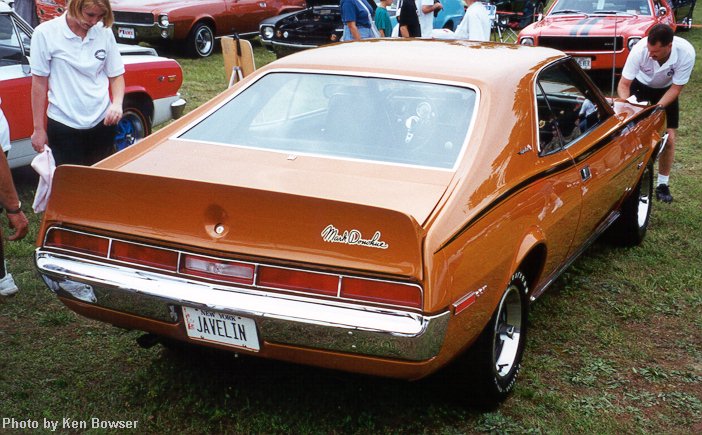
(75,63)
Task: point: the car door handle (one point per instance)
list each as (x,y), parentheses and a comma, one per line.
(585,173)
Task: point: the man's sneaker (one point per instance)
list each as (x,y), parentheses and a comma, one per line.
(8,286)
(663,193)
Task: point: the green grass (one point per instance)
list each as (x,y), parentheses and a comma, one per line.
(614,345)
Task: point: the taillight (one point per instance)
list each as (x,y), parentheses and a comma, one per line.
(84,243)
(212,268)
(381,291)
(298,280)
(144,255)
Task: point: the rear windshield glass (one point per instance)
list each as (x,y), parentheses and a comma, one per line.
(375,119)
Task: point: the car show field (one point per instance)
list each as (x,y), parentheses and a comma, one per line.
(612,348)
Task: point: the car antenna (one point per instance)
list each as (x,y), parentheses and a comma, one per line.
(614,56)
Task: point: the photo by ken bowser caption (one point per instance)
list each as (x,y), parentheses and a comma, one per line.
(9,423)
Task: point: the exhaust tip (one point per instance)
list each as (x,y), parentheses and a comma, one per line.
(147,341)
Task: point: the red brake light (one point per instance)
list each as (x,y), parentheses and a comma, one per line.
(381,291)
(78,242)
(218,269)
(145,255)
(311,282)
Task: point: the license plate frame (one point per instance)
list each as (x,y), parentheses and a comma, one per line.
(126,33)
(221,328)
(584,62)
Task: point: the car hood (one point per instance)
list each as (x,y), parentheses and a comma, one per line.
(593,25)
(365,183)
(156,6)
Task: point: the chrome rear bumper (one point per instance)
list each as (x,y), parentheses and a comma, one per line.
(280,318)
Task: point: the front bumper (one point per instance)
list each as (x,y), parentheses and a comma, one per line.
(280,319)
(143,32)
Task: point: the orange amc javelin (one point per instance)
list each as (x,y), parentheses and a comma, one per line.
(382,207)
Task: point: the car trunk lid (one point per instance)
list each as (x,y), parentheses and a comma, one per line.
(354,228)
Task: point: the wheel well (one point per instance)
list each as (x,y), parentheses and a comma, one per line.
(141,101)
(209,21)
(533,264)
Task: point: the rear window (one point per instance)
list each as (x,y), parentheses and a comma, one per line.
(376,119)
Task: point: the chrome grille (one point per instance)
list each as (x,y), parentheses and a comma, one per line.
(582,43)
(133,17)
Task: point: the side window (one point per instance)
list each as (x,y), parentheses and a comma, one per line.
(10,48)
(567,107)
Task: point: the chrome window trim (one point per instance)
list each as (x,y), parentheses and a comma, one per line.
(408,78)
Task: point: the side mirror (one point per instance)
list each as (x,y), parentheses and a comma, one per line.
(662,11)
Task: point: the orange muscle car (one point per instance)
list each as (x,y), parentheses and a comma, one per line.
(365,206)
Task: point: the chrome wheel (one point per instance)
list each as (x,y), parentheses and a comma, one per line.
(203,40)
(508,332)
(130,129)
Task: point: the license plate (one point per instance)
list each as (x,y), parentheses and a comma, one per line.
(584,62)
(221,328)
(125,32)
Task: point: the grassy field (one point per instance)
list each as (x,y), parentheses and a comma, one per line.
(614,346)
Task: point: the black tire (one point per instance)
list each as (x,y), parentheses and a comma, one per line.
(495,359)
(133,127)
(201,41)
(630,228)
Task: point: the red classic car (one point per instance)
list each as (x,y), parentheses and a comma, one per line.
(151,94)
(380,206)
(196,23)
(599,35)
(49,9)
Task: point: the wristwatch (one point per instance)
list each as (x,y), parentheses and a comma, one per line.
(16,210)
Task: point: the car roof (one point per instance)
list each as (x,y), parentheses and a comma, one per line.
(454,60)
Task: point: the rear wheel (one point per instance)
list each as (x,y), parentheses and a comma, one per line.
(496,358)
(201,41)
(630,228)
(133,127)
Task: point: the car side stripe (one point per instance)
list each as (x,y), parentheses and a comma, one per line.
(549,172)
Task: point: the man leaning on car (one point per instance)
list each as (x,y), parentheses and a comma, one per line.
(656,71)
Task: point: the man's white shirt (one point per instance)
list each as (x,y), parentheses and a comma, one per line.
(674,71)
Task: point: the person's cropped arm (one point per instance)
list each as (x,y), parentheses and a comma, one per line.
(114,112)
(670,95)
(40,88)
(9,199)
(624,88)
(354,30)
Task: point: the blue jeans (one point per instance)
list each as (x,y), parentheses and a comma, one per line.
(364,31)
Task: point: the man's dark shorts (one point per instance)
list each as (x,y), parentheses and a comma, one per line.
(653,95)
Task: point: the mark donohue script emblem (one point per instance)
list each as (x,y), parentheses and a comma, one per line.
(331,234)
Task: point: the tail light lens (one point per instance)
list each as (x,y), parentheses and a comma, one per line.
(298,280)
(381,291)
(144,255)
(212,268)
(79,242)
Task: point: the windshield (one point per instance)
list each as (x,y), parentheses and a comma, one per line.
(382,120)
(590,7)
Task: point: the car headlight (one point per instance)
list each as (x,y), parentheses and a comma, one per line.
(163,20)
(527,41)
(267,32)
(632,42)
